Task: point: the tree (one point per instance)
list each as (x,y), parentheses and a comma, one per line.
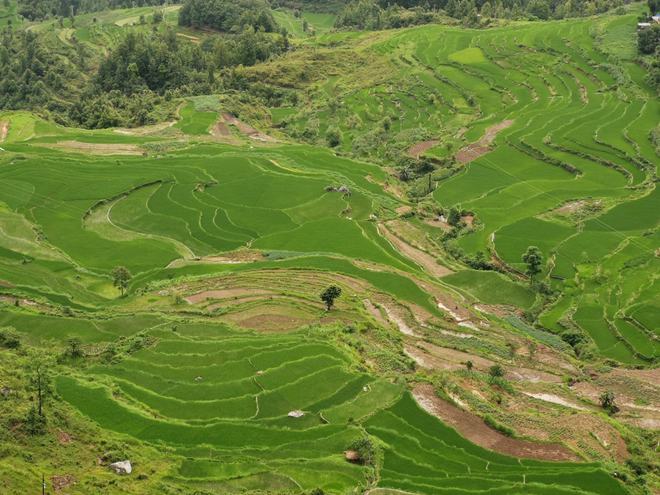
(608,402)
(496,371)
(533,258)
(329,295)
(454,217)
(648,39)
(365,449)
(35,423)
(40,382)
(333,137)
(73,348)
(9,338)
(469,365)
(120,278)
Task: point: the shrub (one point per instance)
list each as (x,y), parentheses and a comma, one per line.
(9,338)
(366,450)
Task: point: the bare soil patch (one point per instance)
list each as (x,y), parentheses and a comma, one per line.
(571,207)
(247,129)
(530,375)
(418,149)
(637,394)
(97,148)
(63,437)
(451,359)
(475,150)
(62,482)
(193,39)
(4,130)
(226,294)
(422,258)
(474,429)
(398,319)
(403,209)
(375,312)
(220,130)
(240,256)
(272,323)
(555,399)
(145,130)
(438,223)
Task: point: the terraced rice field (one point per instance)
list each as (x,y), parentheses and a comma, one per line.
(220,400)
(226,241)
(578,143)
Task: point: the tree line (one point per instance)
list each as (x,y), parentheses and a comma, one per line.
(387,14)
(229,16)
(37,10)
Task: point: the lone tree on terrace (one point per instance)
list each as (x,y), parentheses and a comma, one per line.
(329,295)
(608,402)
(120,278)
(533,258)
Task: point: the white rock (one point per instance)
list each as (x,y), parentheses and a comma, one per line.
(296,414)
(122,467)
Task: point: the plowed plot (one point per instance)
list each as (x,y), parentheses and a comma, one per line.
(97,148)
(423,455)
(481,147)
(474,429)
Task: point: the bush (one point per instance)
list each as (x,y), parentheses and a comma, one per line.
(9,338)
(35,423)
(333,137)
(366,450)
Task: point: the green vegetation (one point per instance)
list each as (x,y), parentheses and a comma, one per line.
(248,245)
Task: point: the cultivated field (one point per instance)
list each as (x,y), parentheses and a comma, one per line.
(220,356)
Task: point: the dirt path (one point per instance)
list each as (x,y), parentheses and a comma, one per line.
(420,257)
(418,149)
(474,429)
(4,130)
(475,150)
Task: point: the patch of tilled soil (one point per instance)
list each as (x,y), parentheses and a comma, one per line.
(97,148)
(481,147)
(4,130)
(474,429)
(62,482)
(425,260)
(272,322)
(226,294)
(418,149)
(247,129)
